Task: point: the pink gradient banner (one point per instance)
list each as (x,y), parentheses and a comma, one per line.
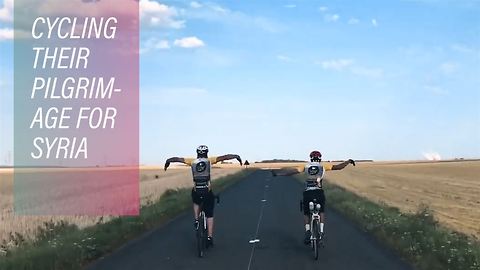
(76,146)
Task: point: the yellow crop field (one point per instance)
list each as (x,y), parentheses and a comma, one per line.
(450,189)
(154,181)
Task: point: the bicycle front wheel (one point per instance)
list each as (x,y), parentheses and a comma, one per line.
(201,235)
(316,238)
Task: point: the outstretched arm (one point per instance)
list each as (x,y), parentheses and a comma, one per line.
(228,157)
(173,159)
(343,164)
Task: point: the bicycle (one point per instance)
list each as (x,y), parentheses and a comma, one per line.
(202,228)
(316,236)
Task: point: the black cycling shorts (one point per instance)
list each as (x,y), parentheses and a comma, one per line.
(208,201)
(309,196)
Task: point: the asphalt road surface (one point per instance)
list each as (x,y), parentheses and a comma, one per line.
(259,207)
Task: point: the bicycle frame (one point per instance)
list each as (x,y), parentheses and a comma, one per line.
(202,229)
(315,227)
(202,215)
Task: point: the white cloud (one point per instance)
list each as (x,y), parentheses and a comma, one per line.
(448,68)
(323,9)
(6,34)
(461,48)
(189,42)
(374,22)
(6,12)
(284,58)
(337,64)
(350,66)
(436,90)
(29,8)
(373,73)
(154,44)
(195,4)
(331,17)
(215,13)
(353,21)
(186,96)
(156,14)
(162,44)
(185,91)
(265,24)
(218,8)
(290,6)
(432,156)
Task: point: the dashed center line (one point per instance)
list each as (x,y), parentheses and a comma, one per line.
(255,239)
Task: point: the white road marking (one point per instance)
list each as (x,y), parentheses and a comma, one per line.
(256,240)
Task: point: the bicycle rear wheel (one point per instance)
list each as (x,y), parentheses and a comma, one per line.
(316,237)
(201,235)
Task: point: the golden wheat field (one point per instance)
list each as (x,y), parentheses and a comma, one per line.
(154,181)
(450,189)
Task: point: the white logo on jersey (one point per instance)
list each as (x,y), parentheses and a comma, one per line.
(313,170)
(201,166)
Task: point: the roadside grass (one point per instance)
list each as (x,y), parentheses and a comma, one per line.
(418,238)
(63,246)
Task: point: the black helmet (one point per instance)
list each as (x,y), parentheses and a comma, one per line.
(202,150)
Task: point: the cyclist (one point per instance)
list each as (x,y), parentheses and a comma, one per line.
(313,186)
(202,190)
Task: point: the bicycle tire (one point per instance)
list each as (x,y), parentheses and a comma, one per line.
(315,240)
(201,235)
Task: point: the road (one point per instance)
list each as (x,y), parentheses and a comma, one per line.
(258,207)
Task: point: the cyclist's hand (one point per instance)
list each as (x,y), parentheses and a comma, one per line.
(352,162)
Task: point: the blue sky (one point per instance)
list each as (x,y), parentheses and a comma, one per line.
(384,80)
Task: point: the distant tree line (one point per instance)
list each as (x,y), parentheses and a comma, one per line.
(356,160)
(298,161)
(280,161)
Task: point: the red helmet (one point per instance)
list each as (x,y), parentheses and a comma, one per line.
(315,154)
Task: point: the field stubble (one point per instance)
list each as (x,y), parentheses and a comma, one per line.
(451,190)
(154,181)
